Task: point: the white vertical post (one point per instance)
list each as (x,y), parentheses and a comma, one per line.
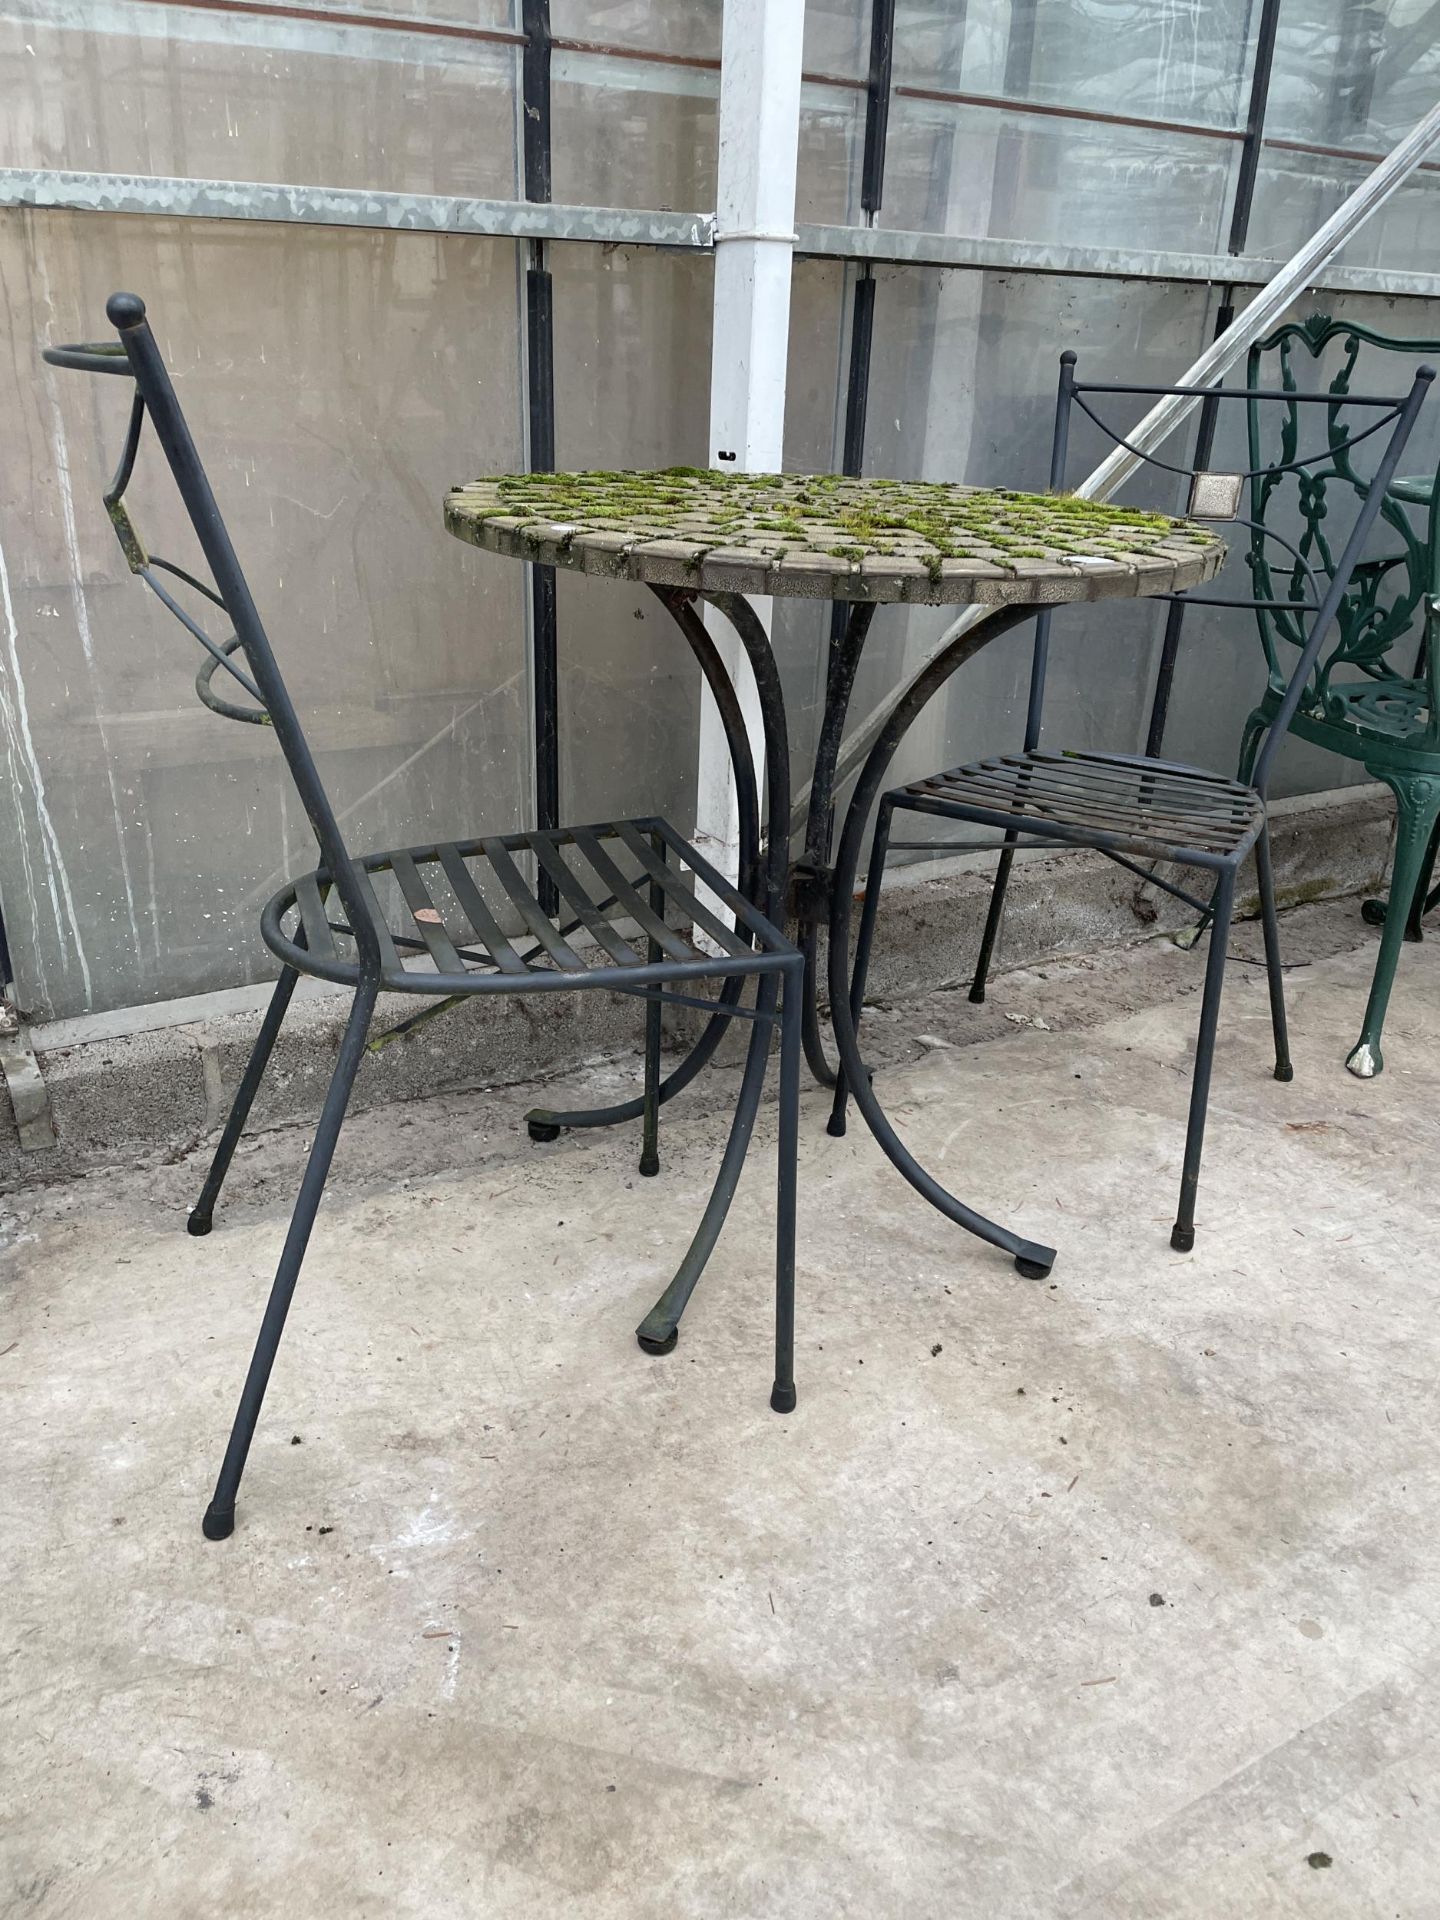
(754,245)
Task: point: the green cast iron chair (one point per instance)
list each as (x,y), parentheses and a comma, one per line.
(1373,698)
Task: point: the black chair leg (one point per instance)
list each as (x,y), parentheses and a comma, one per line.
(219,1520)
(864,941)
(1182,1234)
(202,1213)
(1270,921)
(782,1397)
(650,1134)
(992,922)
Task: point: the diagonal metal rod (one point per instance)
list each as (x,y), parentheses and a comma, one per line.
(1278,294)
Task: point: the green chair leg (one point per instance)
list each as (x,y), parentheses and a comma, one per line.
(1417,805)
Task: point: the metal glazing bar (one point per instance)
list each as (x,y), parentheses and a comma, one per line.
(176,197)
(540,409)
(184,199)
(898,246)
(877,104)
(1254,125)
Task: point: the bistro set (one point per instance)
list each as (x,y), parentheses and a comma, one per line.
(631,907)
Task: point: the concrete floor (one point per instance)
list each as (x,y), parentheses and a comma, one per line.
(1113,1597)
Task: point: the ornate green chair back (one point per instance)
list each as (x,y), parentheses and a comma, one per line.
(1378,678)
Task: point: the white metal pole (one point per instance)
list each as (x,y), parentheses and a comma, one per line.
(754,246)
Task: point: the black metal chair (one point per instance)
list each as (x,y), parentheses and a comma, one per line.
(626,887)
(1141,808)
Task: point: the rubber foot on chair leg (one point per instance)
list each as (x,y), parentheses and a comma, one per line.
(1034,1262)
(976,995)
(1182,1239)
(835,1126)
(1284,1070)
(649,1165)
(658,1343)
(1372,912)
(219,1522)
(199,1224)
(782,1399)
(542,1130)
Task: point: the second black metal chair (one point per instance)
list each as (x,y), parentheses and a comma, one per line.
(627,889)
(1141,808)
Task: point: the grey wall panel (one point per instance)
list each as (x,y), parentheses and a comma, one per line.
(337,382)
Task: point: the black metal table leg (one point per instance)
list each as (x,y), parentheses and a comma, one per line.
(545,1123)
(658,1331)
(810,892)
(1032,1259)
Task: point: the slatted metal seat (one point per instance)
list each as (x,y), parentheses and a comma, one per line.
(1141,811)
(1154,809)
(626,888)
(454,918)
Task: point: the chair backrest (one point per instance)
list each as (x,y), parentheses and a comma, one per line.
(1215,495)
(135,355)
(1388,591)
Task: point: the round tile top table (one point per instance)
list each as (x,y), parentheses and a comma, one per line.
(694,536)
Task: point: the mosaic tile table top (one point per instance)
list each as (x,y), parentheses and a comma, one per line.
(827,537)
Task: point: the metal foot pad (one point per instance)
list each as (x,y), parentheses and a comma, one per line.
(1034,1262)
(782,1399)
(649,1164)
(219,1523)
(1365,1062)
(1182,1239)
(835,1126)
(657,1343)
(976,996)
(542,1130)
(1284,1070)
(199,1224)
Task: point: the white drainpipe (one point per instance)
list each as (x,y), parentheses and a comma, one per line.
(754,246)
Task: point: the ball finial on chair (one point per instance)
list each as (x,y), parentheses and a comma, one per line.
(124,309)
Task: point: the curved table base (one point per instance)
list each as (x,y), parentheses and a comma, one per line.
(658,1331)
(1032,1259)
(545,1123)
(849,630)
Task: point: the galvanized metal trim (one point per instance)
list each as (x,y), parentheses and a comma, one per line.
(362,207)
(349,207)
(901,247)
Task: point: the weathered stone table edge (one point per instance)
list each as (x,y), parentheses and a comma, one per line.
(1185,557)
